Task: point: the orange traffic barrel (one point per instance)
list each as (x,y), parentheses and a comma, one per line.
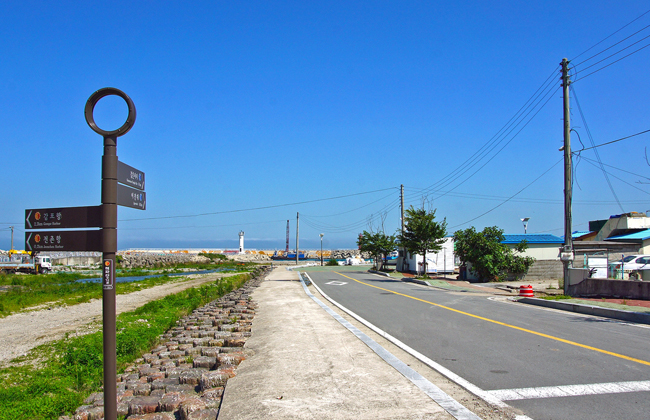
(526,291)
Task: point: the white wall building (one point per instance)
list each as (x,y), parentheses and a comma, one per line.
(437,262)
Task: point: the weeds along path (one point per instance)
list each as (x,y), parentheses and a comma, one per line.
(19,333)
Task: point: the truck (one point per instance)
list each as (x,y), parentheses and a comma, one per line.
(22,262)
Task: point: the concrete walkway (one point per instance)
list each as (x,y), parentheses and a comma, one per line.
(303,364)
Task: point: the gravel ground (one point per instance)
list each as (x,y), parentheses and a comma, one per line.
(22,332)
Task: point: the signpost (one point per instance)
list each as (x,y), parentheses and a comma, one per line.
(64,218)
(130,197)
(122,185)
(63,240)
(130,176)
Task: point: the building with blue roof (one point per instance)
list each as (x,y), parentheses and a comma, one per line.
(541,246)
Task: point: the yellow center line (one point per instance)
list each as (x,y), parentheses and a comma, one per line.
(573,343)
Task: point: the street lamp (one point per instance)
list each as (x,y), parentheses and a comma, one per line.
(525,221)
(321,249)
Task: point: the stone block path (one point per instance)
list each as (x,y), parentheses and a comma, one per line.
(184,378)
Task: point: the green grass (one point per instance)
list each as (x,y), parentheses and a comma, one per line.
(54,379)
(63,288)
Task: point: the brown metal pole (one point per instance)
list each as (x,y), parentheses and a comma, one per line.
(109,247)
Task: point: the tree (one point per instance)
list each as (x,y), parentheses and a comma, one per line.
(422,233)
(491,260)
(378,244)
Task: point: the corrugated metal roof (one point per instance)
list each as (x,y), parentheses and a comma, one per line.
(579,233)
(641,235)
(533,238)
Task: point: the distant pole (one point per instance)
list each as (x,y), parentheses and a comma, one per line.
(567,252)
(297,237)
(321,249)
(12,237)
(401,194)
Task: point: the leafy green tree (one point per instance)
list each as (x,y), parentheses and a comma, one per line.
(422,233)
(491,260)
(378,244)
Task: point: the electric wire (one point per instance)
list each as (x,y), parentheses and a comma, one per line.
(620,179)
(350,211)
(509,198)
(499,137)
(611,35)
(611,142)
(613,45)
(505,145)
(203,226)
(257,208)
(619,169)
(613,62)
(318,225)
(591,139)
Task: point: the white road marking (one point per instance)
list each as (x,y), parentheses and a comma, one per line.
(570,390)
(336,283)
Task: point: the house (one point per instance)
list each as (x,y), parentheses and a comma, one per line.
(540,246)
(439,262)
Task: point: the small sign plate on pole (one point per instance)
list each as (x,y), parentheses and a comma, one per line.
(130,197)
(64,240)
(64,218)
(130,176)
(108,276)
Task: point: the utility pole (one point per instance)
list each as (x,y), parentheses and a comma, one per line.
(567,252)
(12,237)
(401,194)
(297,230)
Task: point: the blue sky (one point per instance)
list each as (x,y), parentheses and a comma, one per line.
(259,105)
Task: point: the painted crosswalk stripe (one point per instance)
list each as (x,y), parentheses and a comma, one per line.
(570,390)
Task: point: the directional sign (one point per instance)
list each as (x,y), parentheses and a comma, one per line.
(63,218)
(64,240)
(130,197)
(130,176)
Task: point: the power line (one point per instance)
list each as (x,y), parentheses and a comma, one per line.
(623,181)
(611,35)
(613,62)
(499,137)
(622,170)
(591,139)
(204,226)
(610,142)
(613,45)
(258,208)
(507,143)
(509,198)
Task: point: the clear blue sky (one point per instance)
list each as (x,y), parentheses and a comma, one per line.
(254,104)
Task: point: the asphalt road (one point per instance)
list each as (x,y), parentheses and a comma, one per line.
(600,367)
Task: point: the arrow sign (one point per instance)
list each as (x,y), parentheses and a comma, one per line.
(64,218)
(64,240)
(130,197)
(130,176)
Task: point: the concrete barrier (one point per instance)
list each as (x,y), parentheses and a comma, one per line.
(638,317)
(626,289)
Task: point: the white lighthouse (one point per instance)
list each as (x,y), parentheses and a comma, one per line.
(241,242)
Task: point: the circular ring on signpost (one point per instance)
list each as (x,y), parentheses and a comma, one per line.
(90,107)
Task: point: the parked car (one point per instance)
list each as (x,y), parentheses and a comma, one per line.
(630,264)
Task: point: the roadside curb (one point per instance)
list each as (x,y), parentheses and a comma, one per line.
(379,272)
(638,317)
(416,281)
